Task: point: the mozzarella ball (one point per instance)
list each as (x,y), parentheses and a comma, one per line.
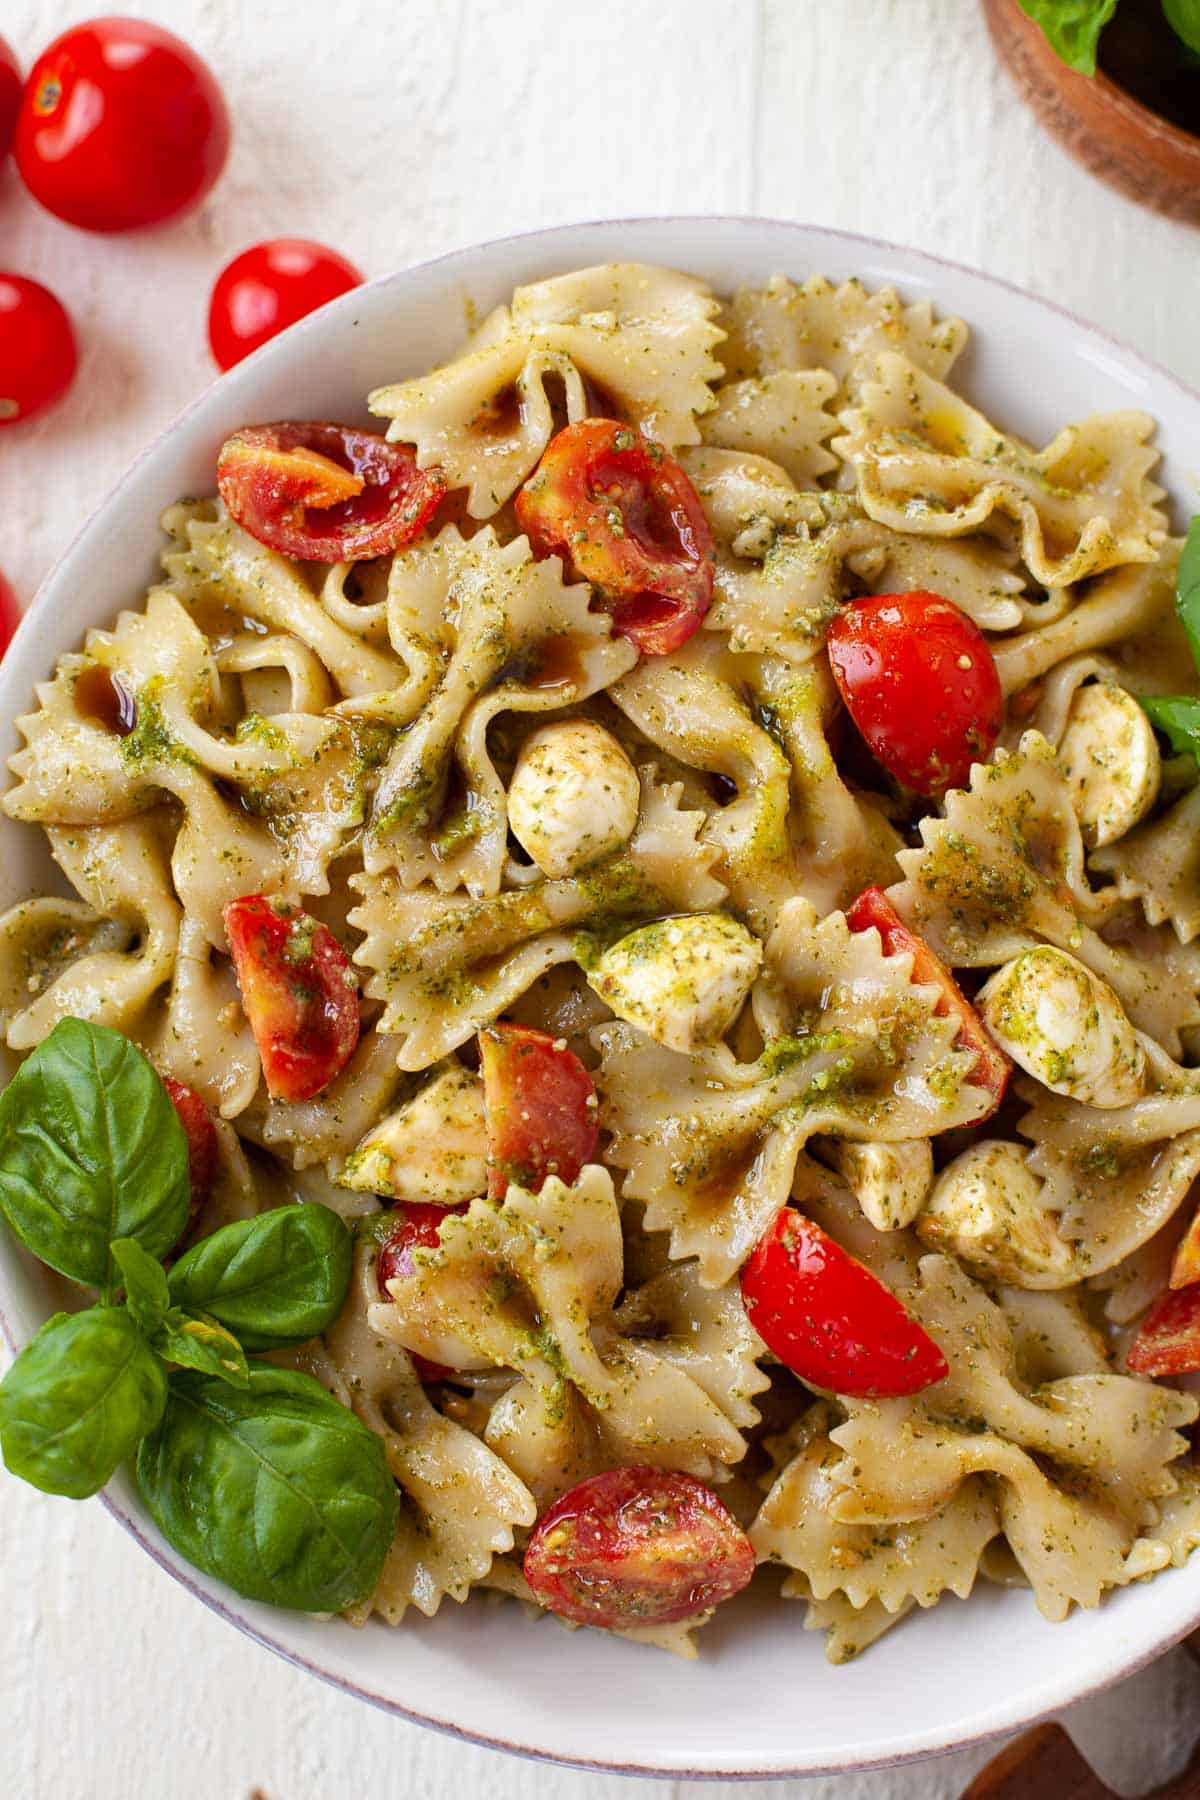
(682,981)
(1065,1027)
(573,797)
(986,1209)
(1109,756)
(432,1149)
(889,1181)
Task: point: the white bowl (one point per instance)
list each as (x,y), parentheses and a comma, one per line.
(761,1700)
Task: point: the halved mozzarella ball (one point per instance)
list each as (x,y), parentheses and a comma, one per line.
(986,1209)
(682,981)
(1109,756)
(431,1149)
(1065,1027)
(889,1181)
(573,797)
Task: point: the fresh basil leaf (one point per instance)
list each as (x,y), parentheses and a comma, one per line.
(1187,588)
(91,1149)
(146,1293)
(276,1489)
(274,1280)
(77,1400)
(1073,27)
(1177,716)
(1183,16)
(202,1344)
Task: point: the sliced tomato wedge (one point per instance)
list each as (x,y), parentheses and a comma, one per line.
(415,1224)
(992,1067)
(326,493)
(637,1546)
(201,1135)
(832,1322)
(299,993)
(543,1117)
(1185,1269)
(1168,1339)
(623,515)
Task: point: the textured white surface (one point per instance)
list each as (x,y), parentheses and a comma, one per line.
(399,129)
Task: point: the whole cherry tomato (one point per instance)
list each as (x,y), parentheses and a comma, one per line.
(992,1067)
(1168,1339)
(298,992)
(201,1136)
(637,1546)
(543,1117)
(10,96)
(829,1320)
(414,1225)
(122,125)
(919,681)
(267,288)
(623,515)
(38,356)
(326,493)
(10,614)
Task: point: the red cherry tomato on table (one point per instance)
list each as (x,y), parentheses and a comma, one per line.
(637,1546)
(298,992)
(10,96)
(38,355)
(623,515)
(920,683)
(201,1137)
(1168,1340)
(543,1117)
(992,1067)
(267,288)
(326,493)
(829,1320)
(415,1225)
(10,614)
(122,125)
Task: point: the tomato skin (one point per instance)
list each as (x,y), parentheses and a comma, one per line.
(637,1546)
(267,288)
(10,96)
(832,1322)
(10,614)
(993,1068)
(654,571)
(38,354)
(1185,1269)
(121,126)
(326,493)
(298,992)
(416,1224)
(1168,1339)
(201,1136)
(543,1117)
(920,683)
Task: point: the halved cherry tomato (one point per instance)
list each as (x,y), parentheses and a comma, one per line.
(10,96)
(38,357)
(267,288)
(10,614)
(543,1117)
(637,1546)
(1168,1340)
(201,1135)
(920,683)
(122,125)
(415,1223)
(992,1068)
(832,1322)
(1186,1267)
(299,993)
(623,515)
(326,493)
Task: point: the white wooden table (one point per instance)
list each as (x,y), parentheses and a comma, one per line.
(395,129)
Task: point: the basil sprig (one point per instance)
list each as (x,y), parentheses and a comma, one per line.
(254,1474)
(1177,716)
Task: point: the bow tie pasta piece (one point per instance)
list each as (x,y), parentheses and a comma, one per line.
(641,336)
(783,416)
(278,673)
(1131,607)
(927,462)
(704,1332)
(1158,865)
(40,939)
(444,966)
(328,1128)
(817,326)
(849,1630)
(1178,1527)
(204,1038)
(477,614)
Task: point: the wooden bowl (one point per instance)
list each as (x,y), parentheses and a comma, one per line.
(1103,127)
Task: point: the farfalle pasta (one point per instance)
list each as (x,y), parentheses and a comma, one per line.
(546,890)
